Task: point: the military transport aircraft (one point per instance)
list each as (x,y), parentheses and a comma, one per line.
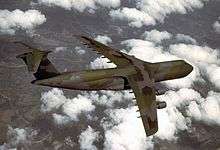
(130,73)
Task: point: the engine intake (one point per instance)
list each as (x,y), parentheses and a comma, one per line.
(161,105)
(160,91)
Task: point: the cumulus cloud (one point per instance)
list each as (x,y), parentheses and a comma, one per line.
(216,26)
(109,98)
(185,39)
(100,63)
(157,36)
(213,73)
(11,21)
(71,108)
(207,110)
(125,131)
(195,53)
(136,18)
(87,139)
(147,51)
(17,137)
(60,49)
(103,39)
(79,50)
(81,5)
(148,12)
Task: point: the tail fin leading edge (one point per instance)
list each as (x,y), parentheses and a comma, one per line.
(38,63)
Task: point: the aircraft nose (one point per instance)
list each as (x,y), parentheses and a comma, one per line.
(189,68)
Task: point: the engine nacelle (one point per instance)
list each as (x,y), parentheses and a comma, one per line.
(161,105)
(160,91)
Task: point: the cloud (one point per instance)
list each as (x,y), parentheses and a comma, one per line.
(52,99)
(125,131)
(100,63)
(81,5)
(60,49)
(147,51)
(148,12)
(70,108)
(135,17)
(103,39)
(87,139)
(213,74)
(195,53)
(79,50)
(157,36)
(207,110)
(18,137)
(216,26)
(76,106)
(185,39)
(11,21)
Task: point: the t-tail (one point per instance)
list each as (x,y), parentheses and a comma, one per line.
(38,63)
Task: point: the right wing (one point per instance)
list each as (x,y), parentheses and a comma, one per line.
(146,102)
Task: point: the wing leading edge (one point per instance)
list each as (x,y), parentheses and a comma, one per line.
(117,57)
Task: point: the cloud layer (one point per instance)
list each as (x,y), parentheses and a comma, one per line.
(81,5)
(148,12)
(11,21)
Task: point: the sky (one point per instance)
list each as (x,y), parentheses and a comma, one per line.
(37,117)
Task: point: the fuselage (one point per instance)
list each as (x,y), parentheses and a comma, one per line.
(115,78)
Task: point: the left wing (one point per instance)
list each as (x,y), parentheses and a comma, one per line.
(117,57)
(146,102)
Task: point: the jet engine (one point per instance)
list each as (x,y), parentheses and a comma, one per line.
(161,105)
(160,91)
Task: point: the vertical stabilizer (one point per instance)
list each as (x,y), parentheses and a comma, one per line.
(38,63)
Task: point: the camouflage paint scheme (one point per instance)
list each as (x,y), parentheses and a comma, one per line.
(130,73)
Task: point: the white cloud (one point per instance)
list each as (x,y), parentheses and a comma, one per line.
(213,73)
(87,139)
(216,26)
(52,99)
(185,38)
(207,110)
(125,131)
(61,119)
(18,137)
(79,50)
(148,12)
(100,63)
(60,49)
(81,5)
(11,21)
(71,108)
(157,36)
(148,51)
(195,53)
(135,17)
(171,118)
(76,106)
(103,39)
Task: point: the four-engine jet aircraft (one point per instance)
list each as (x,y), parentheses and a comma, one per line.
(130,73)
